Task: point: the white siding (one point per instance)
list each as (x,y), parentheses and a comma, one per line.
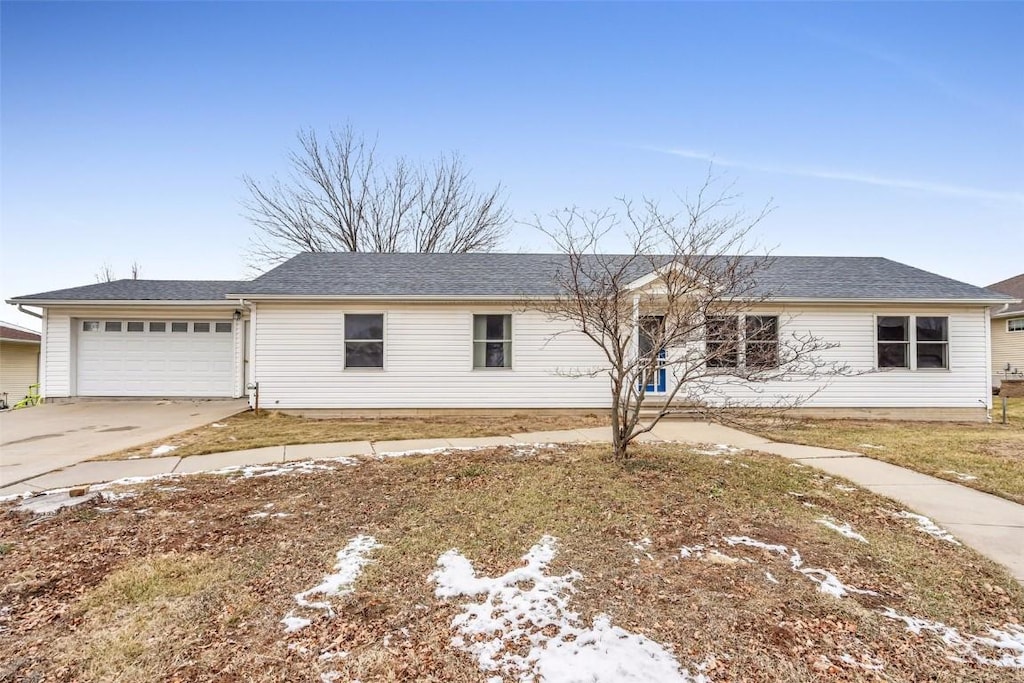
(299,359)
(964,385)
(57,353)
(59,348)
(19,368)
(299,355)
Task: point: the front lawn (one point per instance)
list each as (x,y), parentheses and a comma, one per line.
(734,566)
(247,430)
(987,457)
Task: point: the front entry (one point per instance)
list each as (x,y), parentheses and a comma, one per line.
(655,376)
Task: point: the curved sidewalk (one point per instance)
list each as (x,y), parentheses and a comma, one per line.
(991,525)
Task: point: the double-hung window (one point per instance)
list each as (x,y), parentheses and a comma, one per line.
(492,341)
(913,341)
(1015,325)
(756,348)
(364,340)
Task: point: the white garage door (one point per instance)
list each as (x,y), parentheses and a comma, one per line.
(155,358)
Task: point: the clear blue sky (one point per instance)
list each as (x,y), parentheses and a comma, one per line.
(882,129)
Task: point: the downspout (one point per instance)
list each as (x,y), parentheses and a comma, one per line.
(249,353)
(22,309)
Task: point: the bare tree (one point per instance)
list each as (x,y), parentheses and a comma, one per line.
(681,319)
(341,197)
(106,273)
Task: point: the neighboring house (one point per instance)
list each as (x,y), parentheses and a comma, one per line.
(19,361)
(371,332)
(1008,332)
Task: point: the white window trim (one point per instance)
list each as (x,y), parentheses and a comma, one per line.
(473,342)
(912,342)
(384,342)
(1011,320)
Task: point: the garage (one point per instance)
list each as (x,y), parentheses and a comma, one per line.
(155,357)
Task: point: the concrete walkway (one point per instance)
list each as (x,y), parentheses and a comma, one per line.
(991,525)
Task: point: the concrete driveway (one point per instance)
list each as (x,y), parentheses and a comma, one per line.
(52,436)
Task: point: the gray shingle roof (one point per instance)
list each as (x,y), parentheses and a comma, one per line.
(1014,287)
(364,274)
(516,275)
(142,290)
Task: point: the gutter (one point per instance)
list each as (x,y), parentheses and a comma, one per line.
(42,303)
(21,308)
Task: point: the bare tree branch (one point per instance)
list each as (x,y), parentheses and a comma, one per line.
(686,302)
(339,197)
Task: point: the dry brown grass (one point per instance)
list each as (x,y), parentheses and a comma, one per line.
(993,453)
(247,430)
(186,585)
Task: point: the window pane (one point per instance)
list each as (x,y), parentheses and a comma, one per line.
(495,327)
(932,329)
(360,326)
(723,327)
(893,356)
(932,355)
(892,328)
(200,327)
(762,327)
(223,327)
(112,326)
(134,326)
(90,326)
(158,327)
(364,354)
(1015,325)
(762,354)
(179,327)
(723,354)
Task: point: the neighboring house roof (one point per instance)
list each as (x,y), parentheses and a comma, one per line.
(141,290)
(1013,286)
(493,275)
(19,334)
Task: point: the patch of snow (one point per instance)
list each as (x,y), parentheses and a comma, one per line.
(350,562)
(750,542)
(1006,642)
(845,488)
(331,655)
(960,475)
(691,551)
(871,446)
(770,577)
(716,449)
(929,527)
(641,546)
(218,425)
(828,583)
(112,496)
(431,451)
(530,607)
(329,676)
(163,450)
(845,529)
(865,662)
(293,623)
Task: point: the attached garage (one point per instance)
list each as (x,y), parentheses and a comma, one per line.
(127,357)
